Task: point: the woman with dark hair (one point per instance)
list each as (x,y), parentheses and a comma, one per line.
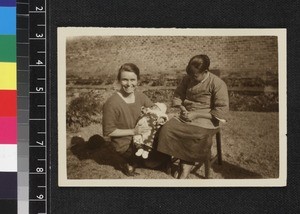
(120,114)
(202,98)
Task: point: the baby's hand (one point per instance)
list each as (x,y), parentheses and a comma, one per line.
(137,139)
(161,120)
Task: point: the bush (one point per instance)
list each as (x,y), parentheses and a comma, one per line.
(160,81)
(238,101)
(83,111)
(110,79)
(164,96)
(263,102)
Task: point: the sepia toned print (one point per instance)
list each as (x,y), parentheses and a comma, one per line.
(252,64)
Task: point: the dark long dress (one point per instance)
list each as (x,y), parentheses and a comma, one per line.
(117,114)
(189,140)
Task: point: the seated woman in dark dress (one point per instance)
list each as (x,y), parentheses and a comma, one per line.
(120,114)
(203,100)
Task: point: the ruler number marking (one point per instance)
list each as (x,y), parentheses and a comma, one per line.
(37,35)
(41,196)
(39,62)
(39,8)
(38,89)
(40,143)
(39,169)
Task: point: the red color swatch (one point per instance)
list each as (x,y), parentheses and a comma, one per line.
(8,103)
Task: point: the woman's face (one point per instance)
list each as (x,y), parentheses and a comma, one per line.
(196,74)
(196,70)
(128,81)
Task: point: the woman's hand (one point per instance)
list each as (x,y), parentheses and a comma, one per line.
(185,116)
(182,109)
(190,116)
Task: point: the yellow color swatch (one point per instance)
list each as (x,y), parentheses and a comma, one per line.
(8,75)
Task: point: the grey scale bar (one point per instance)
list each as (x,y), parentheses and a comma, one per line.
(23,105)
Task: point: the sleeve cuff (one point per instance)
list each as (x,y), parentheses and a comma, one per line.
(177,102)
(221,120)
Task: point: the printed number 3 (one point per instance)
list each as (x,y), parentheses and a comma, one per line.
(39,35)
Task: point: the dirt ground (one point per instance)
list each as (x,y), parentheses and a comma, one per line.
(250,149)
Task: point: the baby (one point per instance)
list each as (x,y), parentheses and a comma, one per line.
(153,118)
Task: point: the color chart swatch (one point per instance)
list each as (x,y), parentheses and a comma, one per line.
(8,106)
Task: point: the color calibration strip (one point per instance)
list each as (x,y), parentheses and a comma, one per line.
(8,107)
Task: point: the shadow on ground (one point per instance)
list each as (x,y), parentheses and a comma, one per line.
(229,171)
(102,152)
(97,149)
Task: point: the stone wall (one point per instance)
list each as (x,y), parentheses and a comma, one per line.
(250,56)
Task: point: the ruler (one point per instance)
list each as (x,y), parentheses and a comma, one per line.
(32,42)
(38,110)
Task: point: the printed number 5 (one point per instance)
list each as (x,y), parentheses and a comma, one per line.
(39,88)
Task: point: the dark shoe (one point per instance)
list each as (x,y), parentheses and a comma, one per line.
(175,174)
(128,170)
(168,168)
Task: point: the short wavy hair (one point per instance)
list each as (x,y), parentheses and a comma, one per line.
(195,61)
(130,67)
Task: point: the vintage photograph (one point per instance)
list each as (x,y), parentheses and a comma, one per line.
(171,107)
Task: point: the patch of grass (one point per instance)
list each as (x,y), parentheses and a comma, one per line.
(250,148)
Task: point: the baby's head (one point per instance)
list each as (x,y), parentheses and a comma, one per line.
(159,107)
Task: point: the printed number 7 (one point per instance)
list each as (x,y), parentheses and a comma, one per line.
(41,143)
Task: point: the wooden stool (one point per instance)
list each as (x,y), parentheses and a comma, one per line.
(210,160)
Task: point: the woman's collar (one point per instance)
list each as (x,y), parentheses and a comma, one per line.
(206,77)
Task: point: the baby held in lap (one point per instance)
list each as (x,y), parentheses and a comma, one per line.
(152,118)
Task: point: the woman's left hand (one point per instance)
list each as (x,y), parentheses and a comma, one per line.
(189,116)
(192,115)
(185,116)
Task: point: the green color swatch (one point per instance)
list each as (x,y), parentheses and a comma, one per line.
(8,48)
